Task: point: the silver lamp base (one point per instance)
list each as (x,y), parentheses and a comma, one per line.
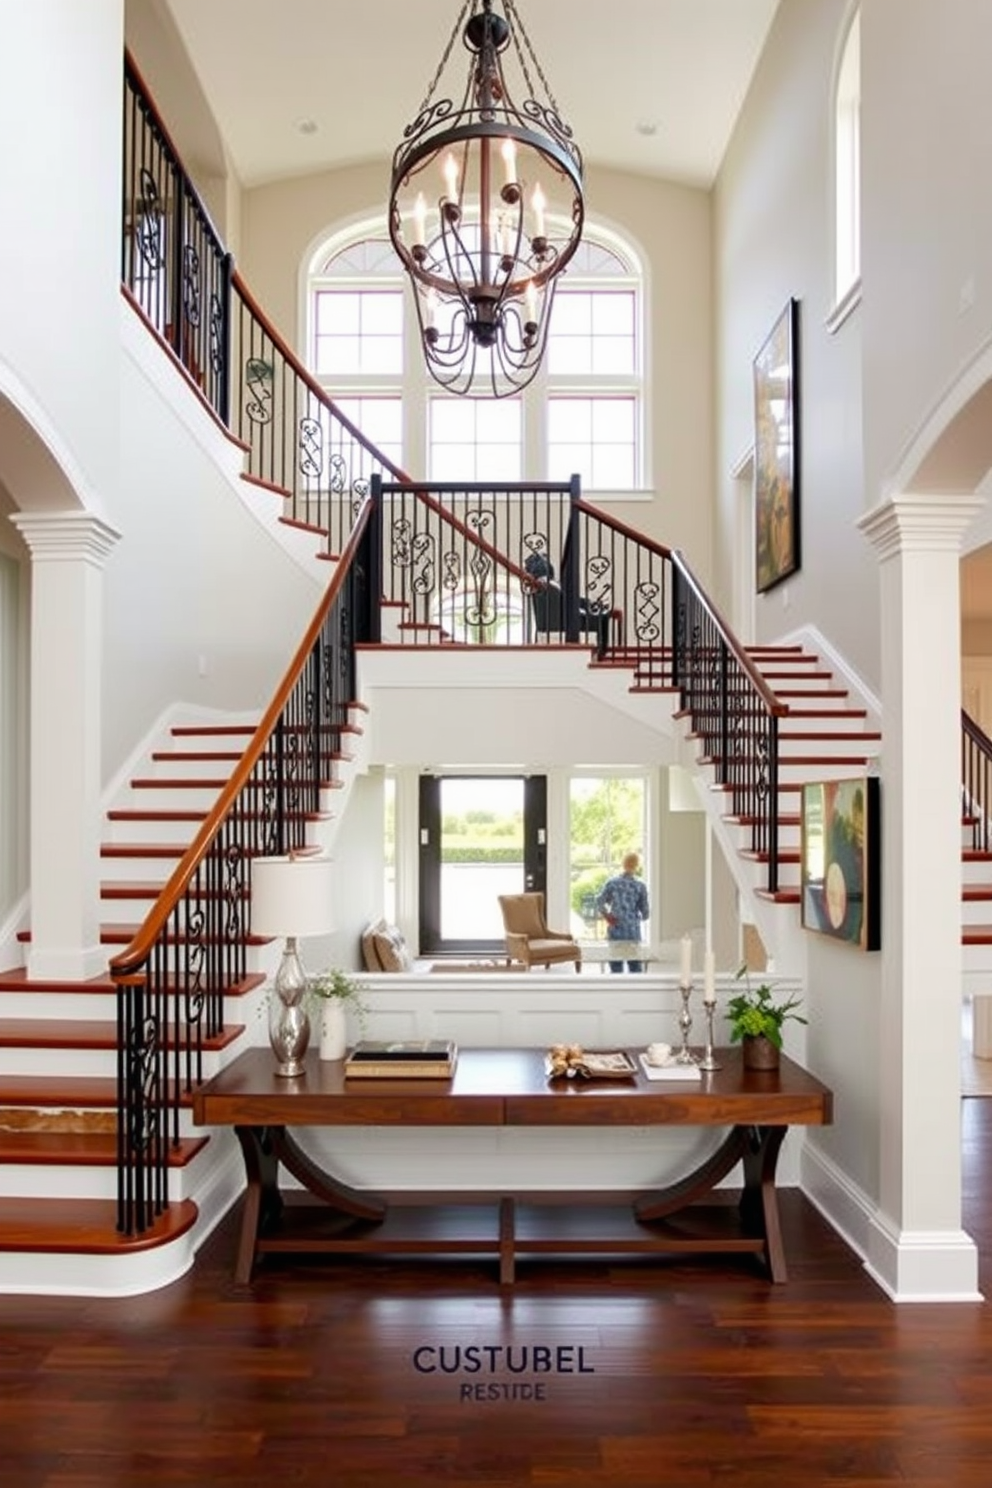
(289,1021)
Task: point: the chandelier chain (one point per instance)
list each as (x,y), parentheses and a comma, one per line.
(512,11)
(458,27)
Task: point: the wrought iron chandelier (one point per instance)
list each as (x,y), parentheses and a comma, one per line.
(486,208)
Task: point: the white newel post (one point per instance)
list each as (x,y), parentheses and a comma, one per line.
(917,1248)
(68,550)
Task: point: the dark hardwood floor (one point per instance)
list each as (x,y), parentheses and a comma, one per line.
(674,1373)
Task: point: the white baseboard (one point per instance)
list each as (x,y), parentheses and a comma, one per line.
(909,1266)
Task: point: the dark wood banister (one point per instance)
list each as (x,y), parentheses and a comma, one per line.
(136,954)
(976,734)
(676,558)
(308,379)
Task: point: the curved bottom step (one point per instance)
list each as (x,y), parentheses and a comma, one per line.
(84,1227)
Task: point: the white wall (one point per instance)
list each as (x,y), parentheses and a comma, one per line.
(773,232)
(201,605)
(927,212)
(60,252)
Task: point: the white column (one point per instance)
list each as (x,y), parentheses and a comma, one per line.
(917,1248)
(68,550)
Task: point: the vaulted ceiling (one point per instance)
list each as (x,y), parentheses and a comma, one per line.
(652,86)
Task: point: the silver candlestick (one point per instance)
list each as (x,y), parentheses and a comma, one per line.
(708,1061)
(685,1024)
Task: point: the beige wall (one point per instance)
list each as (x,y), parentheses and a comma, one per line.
(283,222)
(773,240)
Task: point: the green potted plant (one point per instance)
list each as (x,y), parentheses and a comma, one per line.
(335,991)
(756,1023)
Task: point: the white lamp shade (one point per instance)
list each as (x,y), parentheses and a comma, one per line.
(291,896)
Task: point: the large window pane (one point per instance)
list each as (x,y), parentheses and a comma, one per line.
(592,331)
(380,420)
(607,818)
(475,439)
(595,437)
(359,331)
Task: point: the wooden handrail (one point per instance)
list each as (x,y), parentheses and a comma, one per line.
(499,558)
(134,956)
(677,558)
(309,381)
(146,98)
(975,733)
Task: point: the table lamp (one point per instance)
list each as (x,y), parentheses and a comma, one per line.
(291,897)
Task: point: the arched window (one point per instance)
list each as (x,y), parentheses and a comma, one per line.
(847,172)
(583,413)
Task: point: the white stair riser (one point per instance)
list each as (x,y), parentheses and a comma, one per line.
(826,725)
(69,1181)
(976,873)
(186,798)
(142,830)
(59,1006)
(827,769)
(976,911)
(174,768)
(137,870)
(76,1063)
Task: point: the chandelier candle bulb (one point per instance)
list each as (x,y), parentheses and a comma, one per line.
(451,177)
(530,300)
(538,203)
(510,161)
(486,334)
(685,965)
(420,221)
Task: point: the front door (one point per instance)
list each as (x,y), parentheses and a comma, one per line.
(480,836)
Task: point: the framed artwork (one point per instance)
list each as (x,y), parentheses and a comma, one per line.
(839,860)
(776,452)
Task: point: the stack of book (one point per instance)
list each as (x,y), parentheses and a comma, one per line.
(403,1059)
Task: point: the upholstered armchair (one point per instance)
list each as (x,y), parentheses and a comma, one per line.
(528,938)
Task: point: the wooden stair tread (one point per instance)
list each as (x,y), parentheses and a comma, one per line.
(785,855)
(177,782)
(791,736)
(17,980)
(213,730)
(82,1149)
(150,814)
(142,850)
(85,1033)
(118,933)
(64,1092)
(141,889)
(86,1226)
(167,756)
(976,934)
(780,896)
(85,1092)
(785,819)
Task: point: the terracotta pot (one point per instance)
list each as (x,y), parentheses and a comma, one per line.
(760,1053)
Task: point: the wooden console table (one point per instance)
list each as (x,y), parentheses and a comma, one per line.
(508,1087)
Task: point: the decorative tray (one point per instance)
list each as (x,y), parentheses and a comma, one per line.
(591,1064)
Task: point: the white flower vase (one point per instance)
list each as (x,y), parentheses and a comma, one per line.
(333,1029)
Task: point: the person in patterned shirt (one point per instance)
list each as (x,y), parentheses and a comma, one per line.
(623,903)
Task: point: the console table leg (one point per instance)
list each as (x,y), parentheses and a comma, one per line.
(263,1203)
(759,1201)
(507,1234)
